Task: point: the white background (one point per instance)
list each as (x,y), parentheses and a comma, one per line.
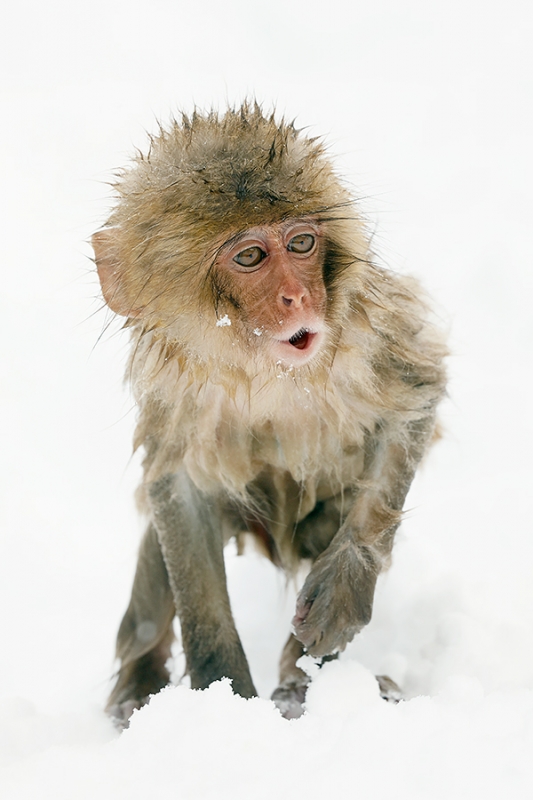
(427,109)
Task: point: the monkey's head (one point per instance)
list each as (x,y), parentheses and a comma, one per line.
(233,238)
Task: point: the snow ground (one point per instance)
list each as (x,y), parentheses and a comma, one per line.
(428,109)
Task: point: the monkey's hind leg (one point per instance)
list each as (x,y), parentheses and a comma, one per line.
(145,635)
(289,697)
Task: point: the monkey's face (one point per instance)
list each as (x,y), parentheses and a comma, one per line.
(272,276)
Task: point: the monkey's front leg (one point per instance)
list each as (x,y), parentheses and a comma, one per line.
(336,600)
(189,529)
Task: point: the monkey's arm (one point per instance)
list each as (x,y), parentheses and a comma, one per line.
(336,600)
(189,527)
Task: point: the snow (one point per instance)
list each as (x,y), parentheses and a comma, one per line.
(427,109)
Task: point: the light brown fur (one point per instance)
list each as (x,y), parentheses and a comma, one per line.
(319,456)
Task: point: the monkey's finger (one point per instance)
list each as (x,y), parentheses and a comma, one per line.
(303,606)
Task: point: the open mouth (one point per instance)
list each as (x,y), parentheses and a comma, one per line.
(299,348)
(302,339)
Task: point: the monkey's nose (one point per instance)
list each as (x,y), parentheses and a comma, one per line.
(295,299)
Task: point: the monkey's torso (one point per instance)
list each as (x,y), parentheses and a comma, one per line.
(272,450)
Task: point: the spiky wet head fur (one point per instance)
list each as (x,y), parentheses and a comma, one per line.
(212,173)
(205,180)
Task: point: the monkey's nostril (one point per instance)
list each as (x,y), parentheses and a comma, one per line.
(287,300)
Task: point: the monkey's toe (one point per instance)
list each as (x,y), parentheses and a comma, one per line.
(322,636)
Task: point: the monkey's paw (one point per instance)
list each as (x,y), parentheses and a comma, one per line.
(336,599)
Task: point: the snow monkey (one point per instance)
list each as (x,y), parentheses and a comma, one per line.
(286,388)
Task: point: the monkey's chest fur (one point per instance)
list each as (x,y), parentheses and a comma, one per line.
(270,457)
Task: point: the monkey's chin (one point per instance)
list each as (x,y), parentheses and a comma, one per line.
(299,349)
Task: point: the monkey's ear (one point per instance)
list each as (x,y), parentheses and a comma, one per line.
(110,273)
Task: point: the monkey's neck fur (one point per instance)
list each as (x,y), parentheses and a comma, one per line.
(226,427)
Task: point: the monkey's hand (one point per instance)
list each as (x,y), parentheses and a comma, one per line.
(336,600)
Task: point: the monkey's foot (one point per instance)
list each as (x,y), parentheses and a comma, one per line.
(289,698)
(120,713)
(389,690)
(136,681)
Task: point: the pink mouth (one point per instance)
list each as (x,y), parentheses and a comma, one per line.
(302,339)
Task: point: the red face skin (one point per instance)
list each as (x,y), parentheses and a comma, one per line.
(274,273)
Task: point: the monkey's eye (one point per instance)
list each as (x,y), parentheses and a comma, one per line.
(250,257)
(303,243)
